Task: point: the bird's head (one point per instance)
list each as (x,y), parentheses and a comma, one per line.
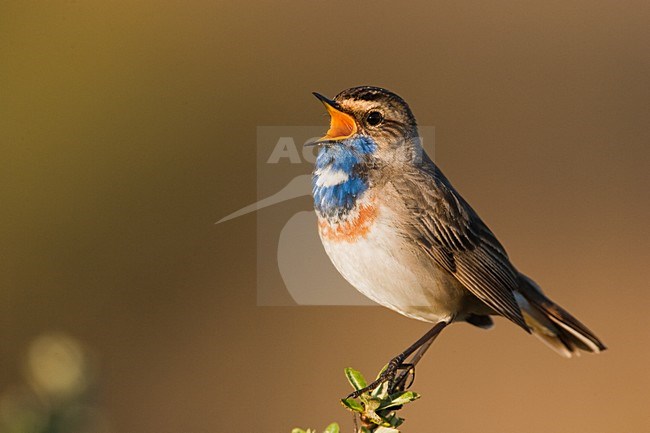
(373,121)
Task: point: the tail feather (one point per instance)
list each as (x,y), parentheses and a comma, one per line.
(552,324)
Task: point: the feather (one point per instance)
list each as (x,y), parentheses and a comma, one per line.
(451,233)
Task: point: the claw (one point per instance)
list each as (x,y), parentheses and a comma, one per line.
(387,375)
(400,383)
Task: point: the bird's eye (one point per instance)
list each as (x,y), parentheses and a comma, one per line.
(374,118)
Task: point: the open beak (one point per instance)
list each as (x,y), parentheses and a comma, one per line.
(342,125)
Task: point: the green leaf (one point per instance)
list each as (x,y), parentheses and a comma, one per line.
(396,421)
(381,391)
(352,404)
(332,428)
(298,430)
(371,403)
(355,378)
(393,419)
(382,429)
(400,399)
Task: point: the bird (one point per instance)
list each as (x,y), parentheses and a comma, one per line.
(397,230)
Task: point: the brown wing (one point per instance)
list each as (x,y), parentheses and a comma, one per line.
(451,233)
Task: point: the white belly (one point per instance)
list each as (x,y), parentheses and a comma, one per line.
(390,271)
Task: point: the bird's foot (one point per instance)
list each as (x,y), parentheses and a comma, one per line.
(389,374)
(399,383)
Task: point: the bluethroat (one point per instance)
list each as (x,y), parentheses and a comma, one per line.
(400,233)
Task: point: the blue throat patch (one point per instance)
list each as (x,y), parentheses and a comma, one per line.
(348,157)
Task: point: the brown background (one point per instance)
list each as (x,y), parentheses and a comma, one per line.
(128,128)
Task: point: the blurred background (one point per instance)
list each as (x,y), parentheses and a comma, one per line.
(128,128)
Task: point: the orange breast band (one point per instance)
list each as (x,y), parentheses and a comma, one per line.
(351,229)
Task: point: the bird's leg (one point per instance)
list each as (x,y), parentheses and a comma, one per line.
(399,384)
(398,363)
